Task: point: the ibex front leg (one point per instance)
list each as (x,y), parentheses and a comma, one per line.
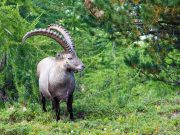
(69,106)
(56,107)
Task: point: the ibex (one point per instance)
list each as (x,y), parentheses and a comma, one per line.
(56,74)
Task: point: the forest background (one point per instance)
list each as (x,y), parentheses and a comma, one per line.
(131,51)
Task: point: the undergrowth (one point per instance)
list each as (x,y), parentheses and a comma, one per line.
(141,111)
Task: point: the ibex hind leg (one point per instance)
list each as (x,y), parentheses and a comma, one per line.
(43,101)
(69,107)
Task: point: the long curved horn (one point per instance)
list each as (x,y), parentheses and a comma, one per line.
(65,34)
(48,33)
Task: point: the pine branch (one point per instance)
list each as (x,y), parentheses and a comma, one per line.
(155,77)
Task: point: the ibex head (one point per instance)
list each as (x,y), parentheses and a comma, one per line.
(70,61)
(68,57)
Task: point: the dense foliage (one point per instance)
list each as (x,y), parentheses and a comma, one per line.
(129,85)
(157,23)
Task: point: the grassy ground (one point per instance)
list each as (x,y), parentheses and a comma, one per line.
(145,110)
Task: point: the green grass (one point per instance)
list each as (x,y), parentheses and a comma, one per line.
(143,110)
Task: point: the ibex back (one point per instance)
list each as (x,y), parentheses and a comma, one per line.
(56,74)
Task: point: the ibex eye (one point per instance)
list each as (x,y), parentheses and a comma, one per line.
(70,58)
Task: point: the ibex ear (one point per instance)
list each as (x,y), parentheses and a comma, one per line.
(59,56)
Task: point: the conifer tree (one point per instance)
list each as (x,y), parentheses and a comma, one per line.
(157,21)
